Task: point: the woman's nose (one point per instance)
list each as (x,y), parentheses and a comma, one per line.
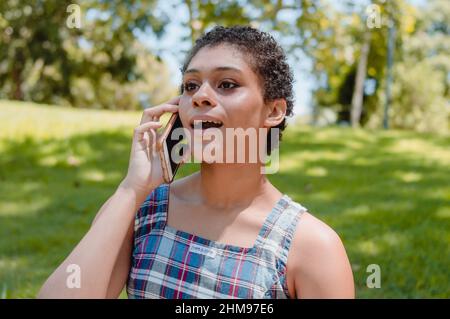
(203,96)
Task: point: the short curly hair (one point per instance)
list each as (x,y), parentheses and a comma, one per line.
(266,58)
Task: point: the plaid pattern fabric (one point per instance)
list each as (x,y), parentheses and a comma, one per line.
(169,263)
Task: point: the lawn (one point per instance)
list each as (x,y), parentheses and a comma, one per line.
(386,193)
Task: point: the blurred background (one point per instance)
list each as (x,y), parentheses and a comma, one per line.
(367,150)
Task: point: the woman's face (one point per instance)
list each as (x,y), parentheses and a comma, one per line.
(220,84)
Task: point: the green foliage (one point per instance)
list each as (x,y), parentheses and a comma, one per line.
(96,65)
(384,192)
(332,38)
(31,42)
(418,101)
(421,85)
(204,15)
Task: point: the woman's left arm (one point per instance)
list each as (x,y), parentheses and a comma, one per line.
(318,262)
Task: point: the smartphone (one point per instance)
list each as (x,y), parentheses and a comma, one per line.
(168,145)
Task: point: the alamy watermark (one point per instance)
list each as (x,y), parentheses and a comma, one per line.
(373,12)
(73,21)
(74,278)
(375,19)
(374,279)
(238,145)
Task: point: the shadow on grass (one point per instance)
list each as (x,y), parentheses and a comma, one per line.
(389,208)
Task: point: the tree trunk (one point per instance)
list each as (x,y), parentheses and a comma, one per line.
(358,92)
(16,94)
(191,21)
(16,76)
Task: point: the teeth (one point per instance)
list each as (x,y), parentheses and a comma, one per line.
(214,122)
(207,121)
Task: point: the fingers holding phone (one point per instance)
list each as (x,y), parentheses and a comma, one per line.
(144,169)
(155,112)
(172,147)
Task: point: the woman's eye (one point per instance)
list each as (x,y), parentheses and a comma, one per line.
(189,86)
(226,85)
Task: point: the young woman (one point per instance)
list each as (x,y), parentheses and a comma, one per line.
(225,231)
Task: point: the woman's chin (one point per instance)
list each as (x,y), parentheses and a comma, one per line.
(207,152)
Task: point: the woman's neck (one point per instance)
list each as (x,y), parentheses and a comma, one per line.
(227,186)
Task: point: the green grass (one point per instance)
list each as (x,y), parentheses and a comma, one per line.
(385,192)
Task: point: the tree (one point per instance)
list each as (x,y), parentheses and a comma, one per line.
(43,59)
(31,42)
(206,14)
(358,92)
(421,87)
(349,59)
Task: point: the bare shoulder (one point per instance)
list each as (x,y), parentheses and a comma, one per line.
(317,263)
(313,235)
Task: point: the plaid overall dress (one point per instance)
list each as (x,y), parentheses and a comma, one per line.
(169,263)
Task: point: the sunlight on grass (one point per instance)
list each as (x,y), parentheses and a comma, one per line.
(23,120)
(364,162)
(422,149)
(355,145)
(394,239)
(311,156)
(316,171)
(359,210)
(437,193)
(368,247)
(293,162)
(329,134)
(94,175)
(10,264)
(14,208)
(443,212)
(323,196)
(408,177)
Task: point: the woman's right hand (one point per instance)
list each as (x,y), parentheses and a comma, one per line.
(144,169)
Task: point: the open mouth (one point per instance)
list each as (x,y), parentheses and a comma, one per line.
(205,124)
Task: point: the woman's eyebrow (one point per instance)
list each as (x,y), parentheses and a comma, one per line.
(218,69)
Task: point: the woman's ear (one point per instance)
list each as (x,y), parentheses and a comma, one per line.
(275,112)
